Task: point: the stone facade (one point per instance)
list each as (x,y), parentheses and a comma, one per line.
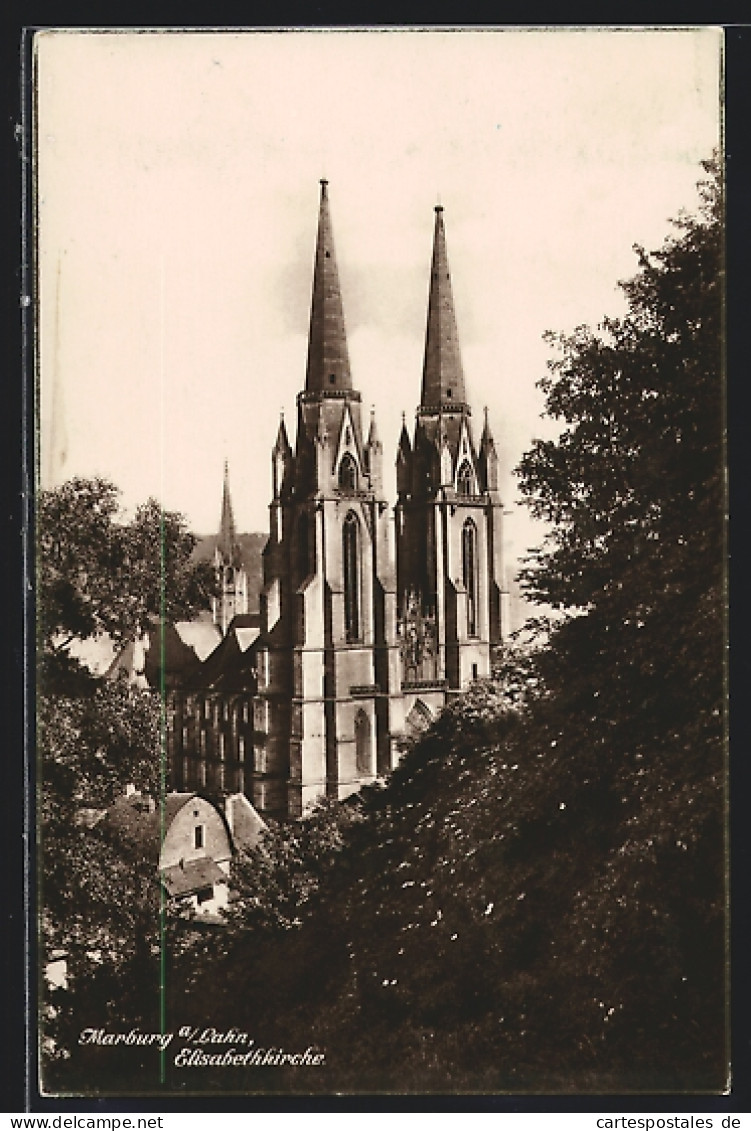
(369,619)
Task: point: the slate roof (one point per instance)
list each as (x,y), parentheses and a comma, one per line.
(328,358)
(185,879)
(443,376)
(230,666)
(180,660)
(138,820)
(246,823)
(200,634)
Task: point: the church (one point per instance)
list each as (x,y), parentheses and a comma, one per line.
(372,613)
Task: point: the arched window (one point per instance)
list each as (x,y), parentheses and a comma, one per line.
(347,473)
(418,720)
(464,479)
(469,573)
(363,753)
(351,558)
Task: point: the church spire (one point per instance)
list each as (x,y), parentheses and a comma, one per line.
(226,542)
(443,377)
(328,359)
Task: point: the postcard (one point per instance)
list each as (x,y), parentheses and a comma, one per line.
(380,568)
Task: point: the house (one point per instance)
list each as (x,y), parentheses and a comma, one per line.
(191,841)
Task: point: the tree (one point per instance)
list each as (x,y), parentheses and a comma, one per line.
(633,485)
(100,902)
(96,574)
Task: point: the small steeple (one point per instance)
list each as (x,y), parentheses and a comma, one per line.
(281,444)
(486,440)
(373,440)
(404,448)
(328,358)
(443,376)
(226,543)
(488,457)
(403,460)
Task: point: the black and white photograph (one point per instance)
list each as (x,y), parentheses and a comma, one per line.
(380,562)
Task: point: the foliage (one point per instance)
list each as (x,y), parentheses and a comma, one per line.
(97,574)
(274,884)
(94,745)
(637,467)
(99,901)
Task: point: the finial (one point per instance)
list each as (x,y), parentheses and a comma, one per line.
(439,208)
(404,419)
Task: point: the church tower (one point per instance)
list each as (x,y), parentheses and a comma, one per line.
(328,656)
(232,579)
(448,513)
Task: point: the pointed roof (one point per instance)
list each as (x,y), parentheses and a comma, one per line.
(226,542)
(486,440)
(404,447)
(443,376)
(328,358)
(373,438)
(282,444)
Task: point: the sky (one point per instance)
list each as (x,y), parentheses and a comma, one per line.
(177,188)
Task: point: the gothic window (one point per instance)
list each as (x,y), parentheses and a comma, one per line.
(363,756)
(464,481)
(347,473)
(418,720)
(469,573)
(351,559)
